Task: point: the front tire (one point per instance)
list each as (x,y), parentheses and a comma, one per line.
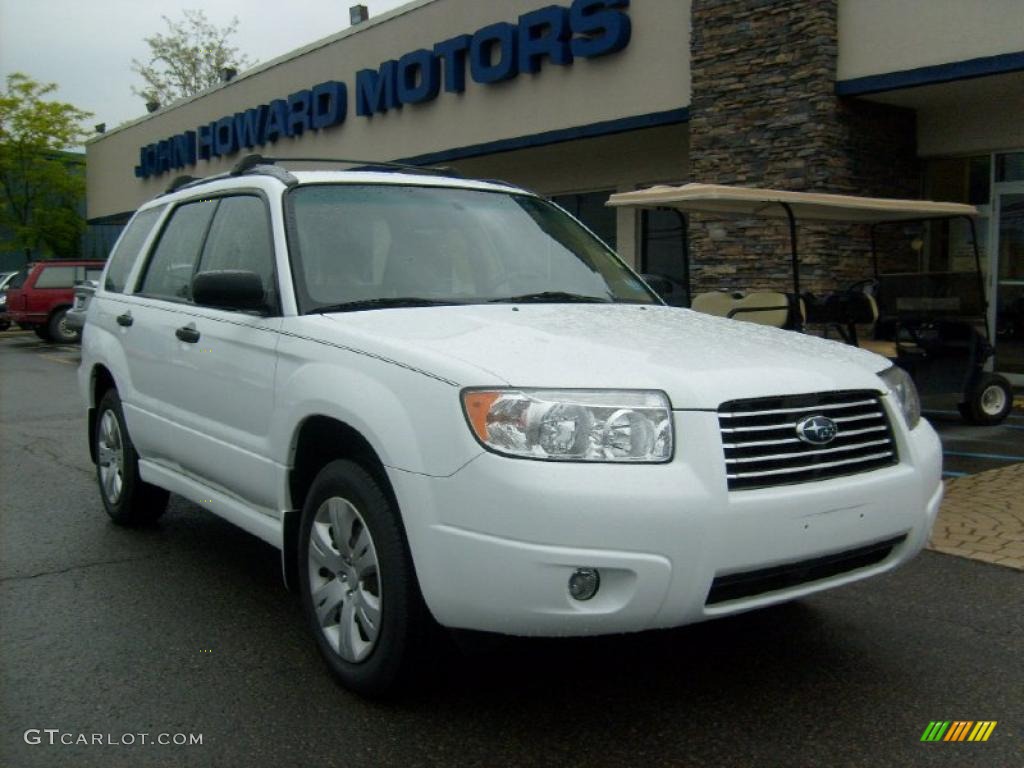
(989,401)
(58,329)
(128,500)
(358,585)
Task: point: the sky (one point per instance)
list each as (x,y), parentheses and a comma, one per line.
(86,48)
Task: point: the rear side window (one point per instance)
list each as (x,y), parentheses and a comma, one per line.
(127,248)
(240,239)
(56,277)
(169,274)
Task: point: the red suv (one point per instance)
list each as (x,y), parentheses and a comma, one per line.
(40,295)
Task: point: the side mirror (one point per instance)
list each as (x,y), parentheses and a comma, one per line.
(229,289)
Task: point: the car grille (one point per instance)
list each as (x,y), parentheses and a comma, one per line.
(762,448)
(751,583)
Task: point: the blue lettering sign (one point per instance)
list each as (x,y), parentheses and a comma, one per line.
(298,112)
(205,142)
(249,127)
(601,29)
(277,120)
(224,139)
(377,91)
(493,53)
(453,52)
(419,77)
(330,104)
(544,34)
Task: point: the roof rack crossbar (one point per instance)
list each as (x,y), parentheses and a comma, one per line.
(250,161)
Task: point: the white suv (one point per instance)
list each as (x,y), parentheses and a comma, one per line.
(447,400)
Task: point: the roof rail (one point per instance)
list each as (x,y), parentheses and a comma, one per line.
(251,161)
(178,183)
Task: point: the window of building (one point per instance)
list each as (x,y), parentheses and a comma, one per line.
(1010,166)
(169,274)
(56,277)
(959,179)
(127,249)
(663,254)
(590,208)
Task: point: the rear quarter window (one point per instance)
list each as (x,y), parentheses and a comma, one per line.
(56,277)
(127,249)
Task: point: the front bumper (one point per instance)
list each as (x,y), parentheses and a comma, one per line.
(495,543)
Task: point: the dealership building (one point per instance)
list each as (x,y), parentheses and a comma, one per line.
(582,98)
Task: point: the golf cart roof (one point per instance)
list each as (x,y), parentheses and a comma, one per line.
(814,206)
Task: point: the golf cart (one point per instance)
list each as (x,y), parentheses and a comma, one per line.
(933,324)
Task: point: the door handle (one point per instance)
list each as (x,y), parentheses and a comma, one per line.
(125,319)
(188,333)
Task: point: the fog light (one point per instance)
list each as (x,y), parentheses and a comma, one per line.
(584,583)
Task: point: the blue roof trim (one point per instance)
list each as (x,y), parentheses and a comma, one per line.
(938,73)
(605,128)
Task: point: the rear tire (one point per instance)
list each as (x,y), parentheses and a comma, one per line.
(359,588)
(41,331)
(989,401)
(128,500)
(59,330)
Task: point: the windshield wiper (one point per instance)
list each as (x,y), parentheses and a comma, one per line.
(550,297)
(382,303)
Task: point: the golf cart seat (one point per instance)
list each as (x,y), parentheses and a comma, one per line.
(762,307)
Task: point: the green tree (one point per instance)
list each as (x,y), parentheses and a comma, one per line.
(188,59)
(41,184)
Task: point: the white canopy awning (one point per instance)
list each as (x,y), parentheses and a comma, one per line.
(806,206)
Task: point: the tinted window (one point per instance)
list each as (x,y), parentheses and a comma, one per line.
(56,277)
(240,239)
(127,248)
(170,270)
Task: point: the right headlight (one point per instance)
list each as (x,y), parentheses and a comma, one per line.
(631,426)
(901,388)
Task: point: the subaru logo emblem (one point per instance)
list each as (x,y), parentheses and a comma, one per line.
(817,430)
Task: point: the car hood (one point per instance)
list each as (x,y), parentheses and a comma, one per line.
(700,361)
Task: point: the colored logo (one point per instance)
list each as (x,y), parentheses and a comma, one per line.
(817,430)
(959,730)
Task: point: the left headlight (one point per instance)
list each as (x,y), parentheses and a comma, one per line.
(902,389)
(572,425)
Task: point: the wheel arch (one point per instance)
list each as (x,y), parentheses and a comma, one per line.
(100,381)
(317,441)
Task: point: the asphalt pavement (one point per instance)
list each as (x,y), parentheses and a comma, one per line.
(185,628)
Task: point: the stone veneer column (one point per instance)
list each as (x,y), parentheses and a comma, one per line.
(764,113)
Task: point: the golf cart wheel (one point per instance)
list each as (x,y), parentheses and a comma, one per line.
(989,401)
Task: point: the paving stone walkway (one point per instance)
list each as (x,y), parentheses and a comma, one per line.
(982,517)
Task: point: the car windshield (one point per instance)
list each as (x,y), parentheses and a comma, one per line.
(372,246)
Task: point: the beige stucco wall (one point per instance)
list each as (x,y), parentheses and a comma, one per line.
(879,36)
(650,75)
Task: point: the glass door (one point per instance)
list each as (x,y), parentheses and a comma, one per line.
(1008,307)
